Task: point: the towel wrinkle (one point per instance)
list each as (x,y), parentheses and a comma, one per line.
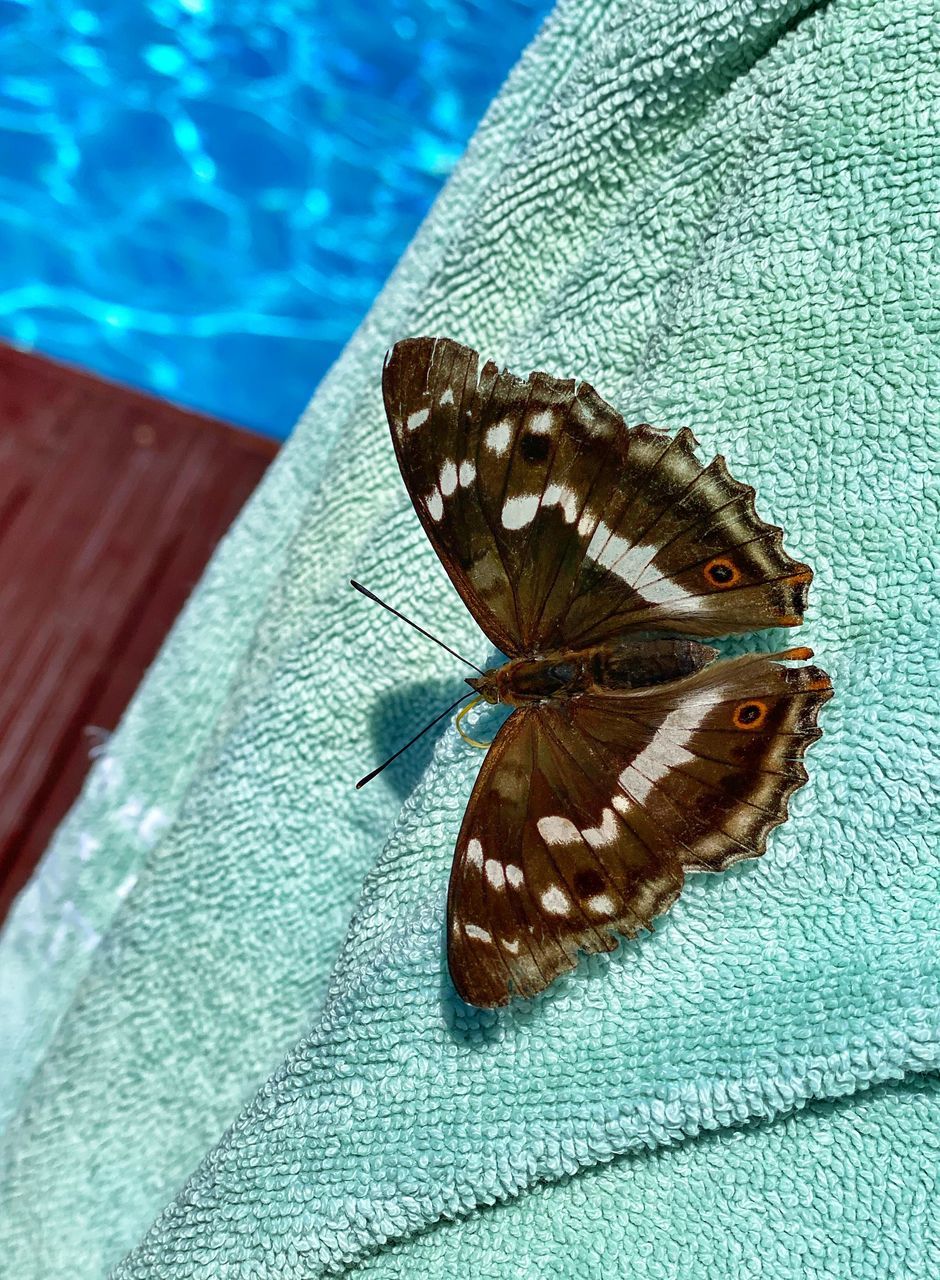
(714,1205)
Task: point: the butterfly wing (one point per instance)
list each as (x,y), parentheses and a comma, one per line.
(457,430)
(588,812)
(561,527)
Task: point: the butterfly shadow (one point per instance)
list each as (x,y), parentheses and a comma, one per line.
(400,713)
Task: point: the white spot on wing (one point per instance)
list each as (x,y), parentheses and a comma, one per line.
(448,396)
(666,750)
(636,567)
(565,498)
(598,538)
(662,754)
(586,524)
(474,931)
(623,559)
(602,904)
(494,873)
(638,786)
(556,830)
(679,722)
(514,876)
(475,853)
(467,474)
(555,901)
(603,834)
(511,945)
(448,479)
(649,573)
(435,504)
(498,437)
(417,418)
(665,591)
(543,423)
(520,511)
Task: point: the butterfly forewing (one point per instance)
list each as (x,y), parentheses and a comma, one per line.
(588,812)
(560,526)
(433,390)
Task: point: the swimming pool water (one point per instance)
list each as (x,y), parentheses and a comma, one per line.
(202,197)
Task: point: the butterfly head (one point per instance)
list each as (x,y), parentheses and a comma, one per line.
(487,685)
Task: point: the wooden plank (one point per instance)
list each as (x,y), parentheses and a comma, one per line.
(111,503)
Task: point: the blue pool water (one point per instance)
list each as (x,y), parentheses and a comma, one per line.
(202,197)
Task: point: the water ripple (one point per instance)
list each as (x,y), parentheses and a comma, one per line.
(202,199)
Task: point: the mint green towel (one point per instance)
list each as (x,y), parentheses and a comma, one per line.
(230,1047)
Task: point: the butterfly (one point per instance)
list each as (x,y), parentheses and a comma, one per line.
(591,554)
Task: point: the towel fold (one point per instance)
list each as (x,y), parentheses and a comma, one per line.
(722,215)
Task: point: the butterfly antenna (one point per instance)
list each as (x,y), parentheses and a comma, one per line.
(453,652)
(375,772)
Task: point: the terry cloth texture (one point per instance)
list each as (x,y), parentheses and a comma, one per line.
(234,1019)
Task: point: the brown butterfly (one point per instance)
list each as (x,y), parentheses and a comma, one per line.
(628,760)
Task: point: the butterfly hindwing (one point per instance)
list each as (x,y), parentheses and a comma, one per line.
(588,812)
(560,526)
(503,938)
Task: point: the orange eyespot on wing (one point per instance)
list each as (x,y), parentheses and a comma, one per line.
(750,714)
(721,572)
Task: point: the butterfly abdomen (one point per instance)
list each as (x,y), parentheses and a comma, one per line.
(618,664)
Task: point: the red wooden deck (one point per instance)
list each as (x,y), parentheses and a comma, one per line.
(110,505)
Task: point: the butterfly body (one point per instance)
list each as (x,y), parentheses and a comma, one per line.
(627,761)
(616,664)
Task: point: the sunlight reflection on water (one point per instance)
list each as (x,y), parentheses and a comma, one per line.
(203,199)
